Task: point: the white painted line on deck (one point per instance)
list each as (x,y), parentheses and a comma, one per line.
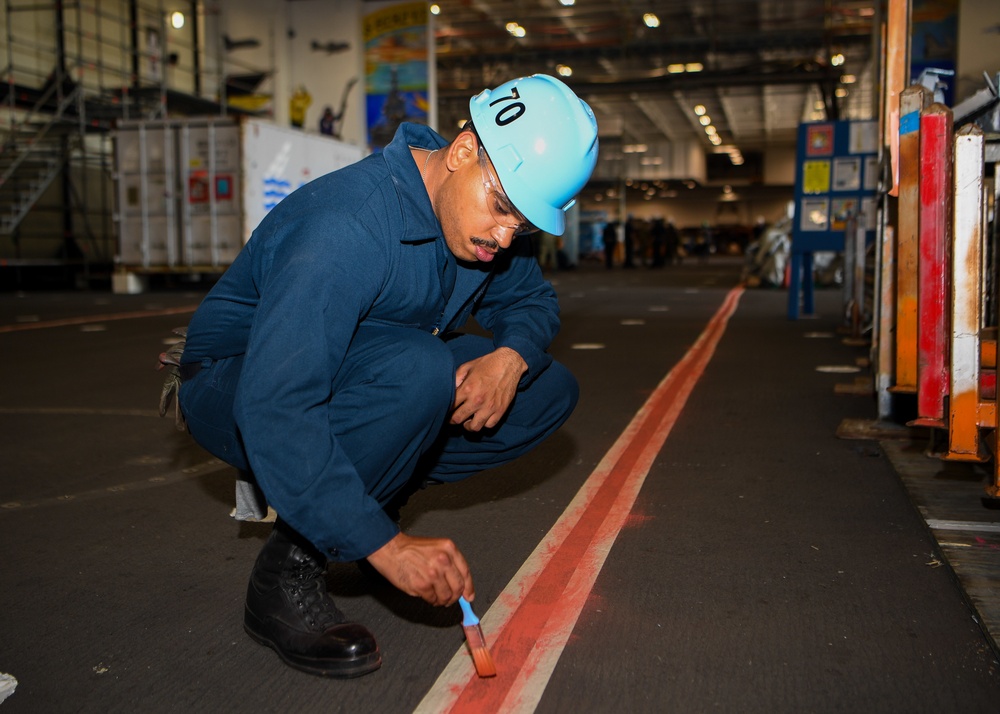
(202,469)
(971,526)
(587,346)
(838,368)
(91,319)
(77,411)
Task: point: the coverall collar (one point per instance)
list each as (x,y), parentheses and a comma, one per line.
(419,221)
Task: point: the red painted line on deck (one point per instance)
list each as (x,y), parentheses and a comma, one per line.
(536,613)
(91,319)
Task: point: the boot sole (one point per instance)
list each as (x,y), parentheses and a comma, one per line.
(336,669)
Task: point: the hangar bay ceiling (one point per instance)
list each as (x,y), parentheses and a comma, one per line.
(666,76)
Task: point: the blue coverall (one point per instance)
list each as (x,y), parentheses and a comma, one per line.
(328,351)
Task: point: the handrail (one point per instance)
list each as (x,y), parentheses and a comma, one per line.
(33,142)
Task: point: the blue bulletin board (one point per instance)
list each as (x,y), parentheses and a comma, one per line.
(836,177)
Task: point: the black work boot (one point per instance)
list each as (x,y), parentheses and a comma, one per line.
(289,610)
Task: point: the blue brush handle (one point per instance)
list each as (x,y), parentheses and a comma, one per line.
(469,618)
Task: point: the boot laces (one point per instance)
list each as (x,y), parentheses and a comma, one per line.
(308,590)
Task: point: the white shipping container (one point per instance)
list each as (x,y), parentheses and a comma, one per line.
(146,195)
(212,240)
(191,191)
(148,242)
(143,147)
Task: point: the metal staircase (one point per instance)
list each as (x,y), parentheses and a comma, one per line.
(32,155)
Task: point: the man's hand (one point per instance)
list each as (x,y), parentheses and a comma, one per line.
(430,568)
(485,387)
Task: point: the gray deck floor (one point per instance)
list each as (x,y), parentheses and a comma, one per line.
(767,566)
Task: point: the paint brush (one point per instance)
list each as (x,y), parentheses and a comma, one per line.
(477,643)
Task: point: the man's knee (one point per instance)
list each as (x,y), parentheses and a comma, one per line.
(556,393)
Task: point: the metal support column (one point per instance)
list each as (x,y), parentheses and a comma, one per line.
(911,102)
(967,413)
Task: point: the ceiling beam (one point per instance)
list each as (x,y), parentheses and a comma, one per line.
(679,82)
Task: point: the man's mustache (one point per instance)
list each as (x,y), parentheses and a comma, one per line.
(487,243)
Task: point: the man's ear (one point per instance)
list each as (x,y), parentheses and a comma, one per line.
(463,149)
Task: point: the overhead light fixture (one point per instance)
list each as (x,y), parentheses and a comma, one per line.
(837,60)
(564,70)
(651,20)
(177,19)
(516,30)
(840,92)
(848,79)
(675,68)
(634,149)
(567,3)
(694,67)
(699,109)
(705,119)
(711,130)
(435,9)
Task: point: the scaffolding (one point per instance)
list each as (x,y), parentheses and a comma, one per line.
(73,71)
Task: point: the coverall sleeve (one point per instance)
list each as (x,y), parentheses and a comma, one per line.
(314,290)
(520,308)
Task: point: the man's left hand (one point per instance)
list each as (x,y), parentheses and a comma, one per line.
(485,387)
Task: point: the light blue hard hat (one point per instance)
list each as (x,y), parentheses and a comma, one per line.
(542,140)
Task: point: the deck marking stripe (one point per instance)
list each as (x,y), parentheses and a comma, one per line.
(963,526)
(87,319)
(532,619)
(77,411)
(196,470)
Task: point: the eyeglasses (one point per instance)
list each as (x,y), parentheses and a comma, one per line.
(501,208)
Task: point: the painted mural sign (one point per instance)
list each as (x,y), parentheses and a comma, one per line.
(396,69)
